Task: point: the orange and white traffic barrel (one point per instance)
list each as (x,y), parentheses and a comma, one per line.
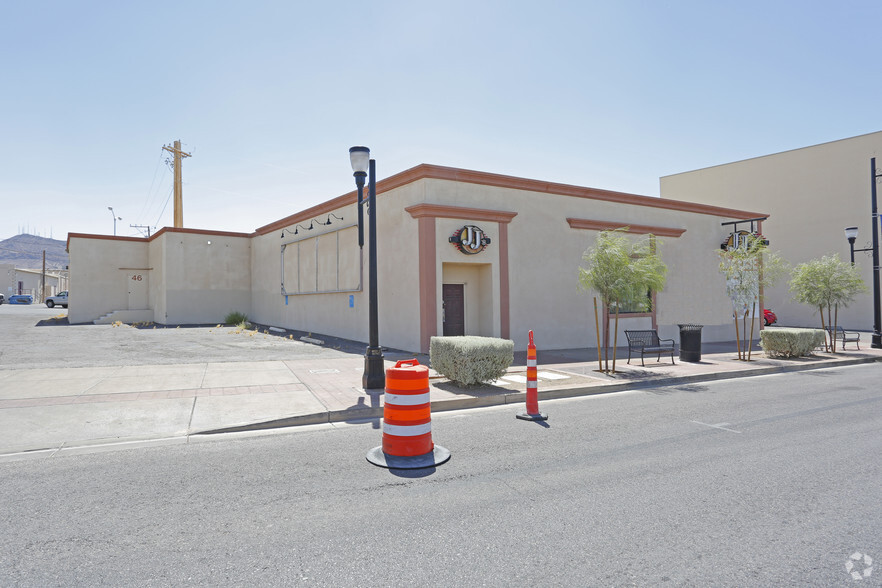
(407,421)
(532,413)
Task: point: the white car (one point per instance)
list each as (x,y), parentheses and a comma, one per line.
(59,299)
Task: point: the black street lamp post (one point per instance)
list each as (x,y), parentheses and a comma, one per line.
(877,299)
(362,165)
(851,234)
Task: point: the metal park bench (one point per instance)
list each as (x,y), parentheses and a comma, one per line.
(845,336)
(647,341)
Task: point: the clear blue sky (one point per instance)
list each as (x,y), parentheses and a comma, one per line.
(269,96)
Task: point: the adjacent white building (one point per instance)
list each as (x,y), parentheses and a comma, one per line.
(812,194)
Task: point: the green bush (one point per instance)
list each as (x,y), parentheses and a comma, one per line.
(471,360)
(791,342)
(235,318)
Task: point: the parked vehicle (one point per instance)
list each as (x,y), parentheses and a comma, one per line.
(21,299)
(2,299)
(769,317)
(60,299)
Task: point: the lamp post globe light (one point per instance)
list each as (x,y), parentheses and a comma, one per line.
(363,166)
(851,234)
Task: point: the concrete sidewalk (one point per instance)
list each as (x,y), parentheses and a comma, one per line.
(48,411)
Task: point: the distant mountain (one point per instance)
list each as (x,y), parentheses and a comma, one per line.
(26,252)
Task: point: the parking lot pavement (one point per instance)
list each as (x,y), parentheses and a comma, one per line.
(66,386)
(35,336)
(73,388)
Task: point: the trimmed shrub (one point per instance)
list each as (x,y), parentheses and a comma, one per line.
(791,342)
(471,360)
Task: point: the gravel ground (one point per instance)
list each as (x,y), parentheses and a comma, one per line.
(38,337)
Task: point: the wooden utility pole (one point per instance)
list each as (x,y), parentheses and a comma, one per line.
(179,199)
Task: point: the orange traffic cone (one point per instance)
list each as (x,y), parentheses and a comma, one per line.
(532,413)
(407,421)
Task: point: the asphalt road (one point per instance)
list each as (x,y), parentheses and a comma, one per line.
(34,336)
(767,481)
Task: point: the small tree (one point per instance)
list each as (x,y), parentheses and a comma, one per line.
(748,267)
(827,283)
(622,272)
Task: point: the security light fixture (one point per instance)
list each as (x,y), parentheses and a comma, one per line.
(297,228)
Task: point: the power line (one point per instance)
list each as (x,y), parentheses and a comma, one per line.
(139,227)
(156,201)
(170,192)
(147,200)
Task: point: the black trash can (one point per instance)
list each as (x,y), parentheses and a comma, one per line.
(690,343)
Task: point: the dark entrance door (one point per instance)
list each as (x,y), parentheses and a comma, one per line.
(453,305)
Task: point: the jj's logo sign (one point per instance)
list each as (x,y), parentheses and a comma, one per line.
(470,240)
(741,239)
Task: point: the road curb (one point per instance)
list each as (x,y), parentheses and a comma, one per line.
(367,413)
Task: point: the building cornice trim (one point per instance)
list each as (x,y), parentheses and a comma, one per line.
(426,171)
(477,214)
(599,225)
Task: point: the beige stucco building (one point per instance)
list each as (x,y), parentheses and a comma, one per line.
(459,252)
(812,194)
(177,276)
